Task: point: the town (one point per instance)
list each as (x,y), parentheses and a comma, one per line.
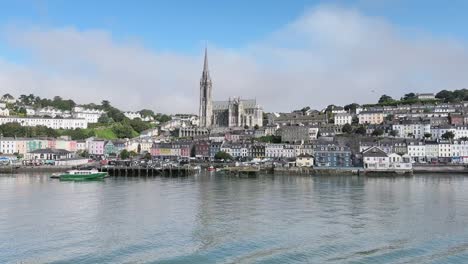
(393,135)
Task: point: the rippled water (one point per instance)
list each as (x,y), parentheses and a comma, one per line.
(217,219)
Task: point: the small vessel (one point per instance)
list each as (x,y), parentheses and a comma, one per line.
(211,168)
(81,175)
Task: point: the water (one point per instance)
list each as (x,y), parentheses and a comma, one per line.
(207,219)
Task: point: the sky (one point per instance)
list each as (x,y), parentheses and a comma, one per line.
(286,54)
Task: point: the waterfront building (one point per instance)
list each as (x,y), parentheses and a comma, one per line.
(257,151)
(304,160)
(49,154)
(96,147)
(55,123)
(7,145)
(109,149)
(80,145)
(274,150)
(417,151)
(202,149)
(21,145)
(119,145)
(332,155)
(215,147)
(375,159)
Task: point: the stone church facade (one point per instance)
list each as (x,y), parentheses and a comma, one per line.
(234,112)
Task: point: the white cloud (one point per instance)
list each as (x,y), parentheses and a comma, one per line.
(328,55)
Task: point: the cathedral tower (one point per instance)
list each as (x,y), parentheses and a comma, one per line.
(206,103)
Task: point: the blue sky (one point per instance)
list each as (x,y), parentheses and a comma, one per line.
(183,25)
(242,34)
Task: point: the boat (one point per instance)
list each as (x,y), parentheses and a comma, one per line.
(81,175)
(211,168)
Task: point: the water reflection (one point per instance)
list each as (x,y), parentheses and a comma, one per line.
(215,219)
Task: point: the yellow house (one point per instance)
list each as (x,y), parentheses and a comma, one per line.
(304,160)
(371,117)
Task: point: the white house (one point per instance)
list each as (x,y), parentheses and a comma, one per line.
(445,150)
(90,115)
(343,118)
(273,150)
(132,115)
(438,131)
(55,123)
(417,151)
(425,96)
(52,112)
(412,129)
(398,162)
(431,151)
(375,159)
(7,145)
(4,112)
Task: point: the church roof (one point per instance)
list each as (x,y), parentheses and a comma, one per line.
(224,105)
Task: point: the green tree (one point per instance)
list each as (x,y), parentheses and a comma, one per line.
(347,128)
(124,154)
(122,130)
(256,127)
(83,154)
(409,96)
(105,104)
(147,156)
(393,133)
(146,112)
(361,130)
(378,132)
(385,99)
(138,125)
(162,118)
(427,135)
(222,155)
(449,135)
(104,119)
(139,148)
(351,107)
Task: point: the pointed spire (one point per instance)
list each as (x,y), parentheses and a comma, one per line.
(205,64)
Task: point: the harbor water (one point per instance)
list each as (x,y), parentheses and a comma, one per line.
(221,219)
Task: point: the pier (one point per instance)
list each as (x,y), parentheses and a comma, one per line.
(136,171)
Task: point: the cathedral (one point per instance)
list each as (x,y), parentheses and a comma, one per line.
(234,112)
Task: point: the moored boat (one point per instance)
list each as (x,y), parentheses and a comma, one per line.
(82,175)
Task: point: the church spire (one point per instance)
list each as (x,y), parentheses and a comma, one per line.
(206,72)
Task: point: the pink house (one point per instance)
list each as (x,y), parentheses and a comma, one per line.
(96,147)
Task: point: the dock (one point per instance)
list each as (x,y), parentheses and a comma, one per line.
(137,171)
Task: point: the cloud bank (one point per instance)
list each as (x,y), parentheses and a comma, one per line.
(329,55)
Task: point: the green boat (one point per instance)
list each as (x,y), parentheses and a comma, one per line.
(82,175)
